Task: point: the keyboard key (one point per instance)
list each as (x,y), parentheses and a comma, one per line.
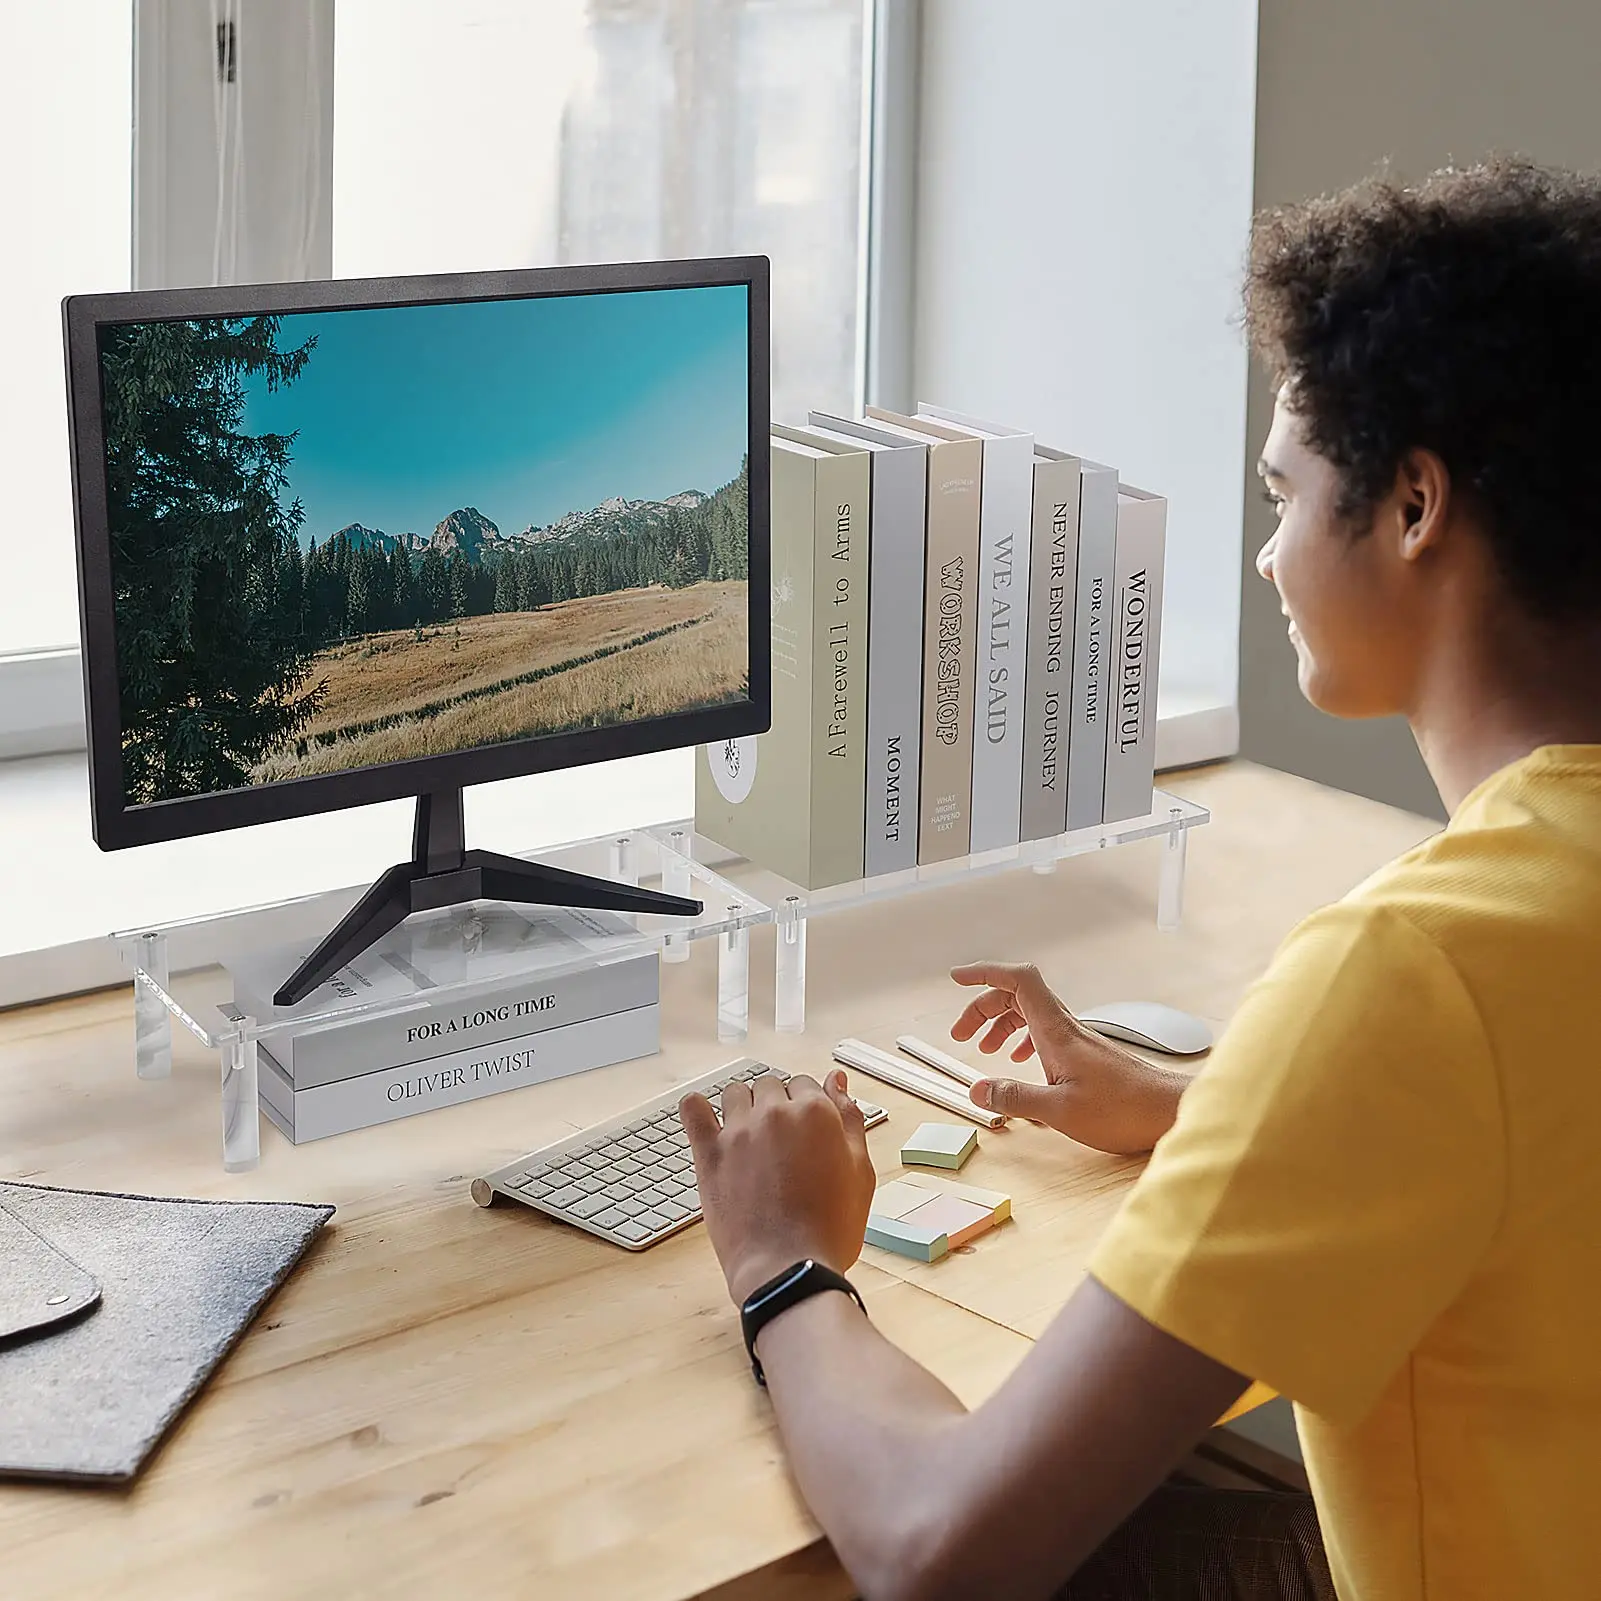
(676,1210)
(650,1197)
(653,1222)
(633,1232)
(610,1218)
(564,1197)
(589,1206)
(624,1164)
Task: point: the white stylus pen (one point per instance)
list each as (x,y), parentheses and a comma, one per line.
(914,1079)
(950,1065)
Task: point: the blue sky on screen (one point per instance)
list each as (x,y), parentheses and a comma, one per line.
(526,409)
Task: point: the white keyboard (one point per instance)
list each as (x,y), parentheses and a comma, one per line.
(631,1180)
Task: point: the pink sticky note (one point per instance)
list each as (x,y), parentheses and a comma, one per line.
(959,1220)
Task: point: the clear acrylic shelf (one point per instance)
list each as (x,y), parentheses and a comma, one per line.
(737,895)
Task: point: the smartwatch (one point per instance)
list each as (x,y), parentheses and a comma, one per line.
(789,1288)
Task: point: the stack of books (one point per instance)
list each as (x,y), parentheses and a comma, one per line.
(390,1035)
(966,640)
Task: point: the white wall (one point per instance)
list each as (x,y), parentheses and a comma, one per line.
(66,131)
(1084,196)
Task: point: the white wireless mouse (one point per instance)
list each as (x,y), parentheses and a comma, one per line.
(1149,1023)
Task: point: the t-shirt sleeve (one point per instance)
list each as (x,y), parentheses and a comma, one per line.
(1336,1172)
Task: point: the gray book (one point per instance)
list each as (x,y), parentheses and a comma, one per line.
(1048,692)
(950,631)
(1136,655)
(894,637)
(1001,660)
(386,1094)
(1092,645)
(793,799)
(529,971)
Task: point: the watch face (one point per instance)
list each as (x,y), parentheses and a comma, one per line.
(778,1282)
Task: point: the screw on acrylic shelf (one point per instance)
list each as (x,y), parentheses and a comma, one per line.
(1170,887)
(241,1105)
(675,880)
(789,968)
(624,869)
(733,977)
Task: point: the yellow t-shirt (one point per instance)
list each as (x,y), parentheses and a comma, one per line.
(1382,1197)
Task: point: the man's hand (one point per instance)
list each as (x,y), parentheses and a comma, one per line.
(787,1176)
(1094,1092)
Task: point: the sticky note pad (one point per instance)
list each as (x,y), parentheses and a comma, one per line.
(924,1217)
(940,1145)
(906,1239)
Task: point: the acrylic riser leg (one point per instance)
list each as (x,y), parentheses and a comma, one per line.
(733,984)
(152,1022)
(676,881)
(241,1111)
(789,969)
(1170,887)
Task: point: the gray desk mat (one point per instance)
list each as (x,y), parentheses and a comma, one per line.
(180,1281)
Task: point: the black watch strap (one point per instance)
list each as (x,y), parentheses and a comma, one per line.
(794,1285)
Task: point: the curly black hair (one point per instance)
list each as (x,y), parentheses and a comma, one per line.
(1461,315)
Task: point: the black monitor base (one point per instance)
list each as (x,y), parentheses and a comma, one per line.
(442,872)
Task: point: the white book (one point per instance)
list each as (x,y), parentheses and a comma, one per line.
(1092,645)
(1006,500)
(396,1092)
(400,1000)
(1136,654)
(1048,693)
(894,636)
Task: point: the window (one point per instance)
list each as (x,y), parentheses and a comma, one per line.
(65,185)
(413,136)
(491,133)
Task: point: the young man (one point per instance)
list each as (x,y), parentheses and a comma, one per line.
(1382,1194)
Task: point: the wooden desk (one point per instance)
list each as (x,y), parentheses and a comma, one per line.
(449,1402)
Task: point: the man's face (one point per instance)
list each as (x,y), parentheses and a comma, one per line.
(1344,589)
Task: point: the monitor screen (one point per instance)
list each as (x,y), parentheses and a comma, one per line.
(351,537)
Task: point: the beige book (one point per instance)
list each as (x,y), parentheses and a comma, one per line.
(792,799)
(950,632)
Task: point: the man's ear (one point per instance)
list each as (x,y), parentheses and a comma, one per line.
(1422,496)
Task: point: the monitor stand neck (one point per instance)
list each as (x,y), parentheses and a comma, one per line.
(443,872)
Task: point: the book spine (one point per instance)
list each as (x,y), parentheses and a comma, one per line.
(895,659)
(1131,737)
(425,1031)
(753,795)
(950,604)
(1005,538)
(839,669)
(381,1097)
(1047,701)
(1092,645)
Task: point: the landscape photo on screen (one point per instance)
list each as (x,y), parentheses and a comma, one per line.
(343,538)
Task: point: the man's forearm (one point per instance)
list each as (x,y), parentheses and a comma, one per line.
(861,1422)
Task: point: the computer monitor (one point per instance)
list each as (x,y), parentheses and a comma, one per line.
(353,541)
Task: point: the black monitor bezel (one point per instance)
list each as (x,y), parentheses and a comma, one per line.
(114,823)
